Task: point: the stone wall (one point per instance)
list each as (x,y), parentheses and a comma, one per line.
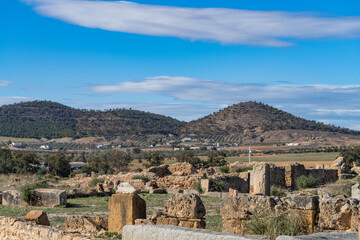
(277,176)
(15,229)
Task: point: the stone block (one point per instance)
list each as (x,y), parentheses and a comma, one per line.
(192,223)
(308,218)
(277,176)
(303,202)
(190,191)
(39,217)
(143,232)
(167,221)
(205,185)
(125,187)
(185,206)
(335,213)
(47,197)
(323,236)
(181,169)
(124,209)
(261,173)
(355,191)
(81,224)
(320,166)
(233,193)
(11,197)
(233,226)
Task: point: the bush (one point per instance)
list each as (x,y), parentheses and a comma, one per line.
(243,168)
(224,169)
(145,179)
(273,224)
(277,191)
(41,172)
(138,170)
(95,181)
(216,185)
(197,187)
(25,190)
(303,182)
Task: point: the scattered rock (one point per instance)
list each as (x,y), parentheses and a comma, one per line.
(161,170)
(185,206)
(125,187)
(11,197)
(47,197)
(39,217)
(182,169)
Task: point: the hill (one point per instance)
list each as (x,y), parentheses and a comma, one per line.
(48,119)
(244,122)
(252,119)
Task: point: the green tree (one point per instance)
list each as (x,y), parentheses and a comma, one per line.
(154,159)
(99,165)
(25,162)
(6,161)
(216,159)
(59,164)
(188,156)
(351,155)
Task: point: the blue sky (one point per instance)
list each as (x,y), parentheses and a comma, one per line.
(184,58)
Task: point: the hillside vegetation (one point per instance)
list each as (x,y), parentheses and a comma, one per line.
(47,119)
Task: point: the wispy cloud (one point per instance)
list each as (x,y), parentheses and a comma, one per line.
(227,26)
(13,99)
(4,83)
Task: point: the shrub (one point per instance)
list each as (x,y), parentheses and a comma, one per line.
(277,191)
(243,168)
(25,190)
(145,179)
(273,224)
(197,187)
(303,182)
(138,170)
(95,181)
(41,172)
(224,169)
(217,185)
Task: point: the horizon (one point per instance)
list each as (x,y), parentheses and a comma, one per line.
(184,59)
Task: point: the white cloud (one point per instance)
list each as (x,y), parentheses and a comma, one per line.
(340,112)
(13,99)
(227,26)
(4,83)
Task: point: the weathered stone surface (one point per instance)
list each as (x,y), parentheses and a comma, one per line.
(161,170)
(355,191)
(167,221)
(39,217)
(142,232)
(261,184)
(47,197)
(277,176)
(303,202)
(241,207)
(190,191)
(233,193)
(193,223)
(15,229)
(323,236)
(81,224)
(185,206)
(125,187)
(11,197)
(178,182)
(308,218)
(124,209)
(182,169)
(335,213)
(205,185)
(233,226)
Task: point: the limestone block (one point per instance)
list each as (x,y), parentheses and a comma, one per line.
(233,193)
(167,221)
(143,232)
(335,214)
(233,226)
(47,197)
(261,173)
(160,171)
(308,218)
(192,223)
(355,191)
(185,206)
(182,169)
(11,197)
(241,207)
(190,191)
(174,191)
(81,224)
(125,187)
(124,209)
(277,176)
(320,166)
(205,185)
(303,202)
(144,222)
(39,217)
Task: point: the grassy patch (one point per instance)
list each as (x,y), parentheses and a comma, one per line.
(277,191)
(214,223)
(341,187)
(95,181)
(224,169)
(303,182)
(145,179)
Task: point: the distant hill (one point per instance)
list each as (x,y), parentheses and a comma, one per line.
(239,122)
(48,119)
(252,120)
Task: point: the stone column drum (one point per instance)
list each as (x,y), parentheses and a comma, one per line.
(261,178)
